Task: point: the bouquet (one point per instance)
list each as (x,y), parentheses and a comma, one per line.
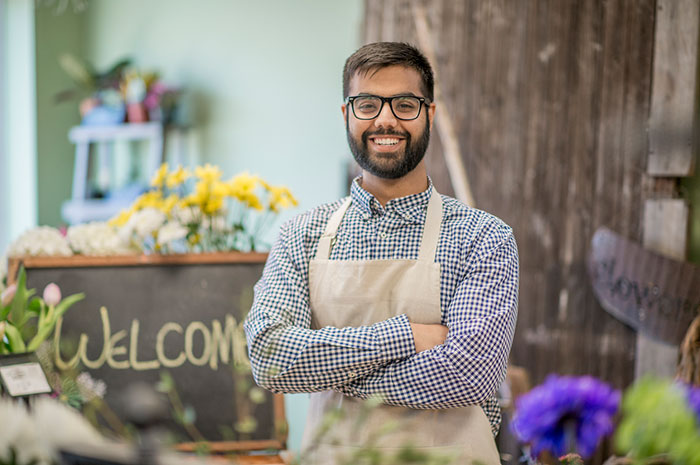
(200,212)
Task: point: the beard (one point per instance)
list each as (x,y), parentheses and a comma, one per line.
(401,163)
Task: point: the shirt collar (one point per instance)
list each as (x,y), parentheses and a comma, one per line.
(411,207)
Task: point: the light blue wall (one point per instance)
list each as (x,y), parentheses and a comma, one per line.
(4,169)
(18,163)
(268,75)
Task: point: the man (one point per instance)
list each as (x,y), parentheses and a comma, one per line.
(395,292)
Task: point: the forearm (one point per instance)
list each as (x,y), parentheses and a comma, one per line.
(442,377)
(288,358)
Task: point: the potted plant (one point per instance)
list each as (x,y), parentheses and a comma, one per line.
(101,101)
(27,320)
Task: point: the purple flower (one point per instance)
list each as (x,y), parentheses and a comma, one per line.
(566,412)
(693,396)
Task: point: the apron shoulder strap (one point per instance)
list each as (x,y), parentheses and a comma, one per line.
(325,244)
(431,230)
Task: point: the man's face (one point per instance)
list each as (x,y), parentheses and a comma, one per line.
(386,146)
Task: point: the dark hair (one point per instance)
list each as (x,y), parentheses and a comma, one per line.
(373,57)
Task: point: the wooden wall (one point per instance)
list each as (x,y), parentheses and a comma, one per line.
(550,99)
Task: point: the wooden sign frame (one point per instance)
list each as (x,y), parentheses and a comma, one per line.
(78,261)
(653,294)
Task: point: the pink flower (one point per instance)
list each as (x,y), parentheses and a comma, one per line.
(8,294)
(52,294)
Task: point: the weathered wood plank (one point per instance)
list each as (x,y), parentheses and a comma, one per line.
(673,94)
(665,231)
(550,102)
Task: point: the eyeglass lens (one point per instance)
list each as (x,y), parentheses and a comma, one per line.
(404,107)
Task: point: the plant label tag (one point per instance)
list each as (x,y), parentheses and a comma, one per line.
(24,379)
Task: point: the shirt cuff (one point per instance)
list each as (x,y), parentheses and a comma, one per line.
(395,338)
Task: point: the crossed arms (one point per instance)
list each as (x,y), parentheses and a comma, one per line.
(414,366)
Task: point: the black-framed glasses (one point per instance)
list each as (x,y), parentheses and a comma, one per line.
(404,107)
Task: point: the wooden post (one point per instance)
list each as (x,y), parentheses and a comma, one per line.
(671,151)
(444,126)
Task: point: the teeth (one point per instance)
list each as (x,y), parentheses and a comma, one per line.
(386,141)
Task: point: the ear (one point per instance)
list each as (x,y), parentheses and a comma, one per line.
(431,114)
(344,109)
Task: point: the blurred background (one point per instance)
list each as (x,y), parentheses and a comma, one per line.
(567,116)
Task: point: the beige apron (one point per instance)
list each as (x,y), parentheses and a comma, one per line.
(363,292)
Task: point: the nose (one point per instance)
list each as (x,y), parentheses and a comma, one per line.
(386,118)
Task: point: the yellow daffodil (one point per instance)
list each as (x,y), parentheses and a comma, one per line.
(252,201)
(213,204)
(242,185)
(219,189)
(159,178)
(281,197)
(208,173)
(150,199)
(122,218)
(168,204)
(177,177)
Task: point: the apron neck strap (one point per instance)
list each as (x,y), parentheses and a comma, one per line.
(325,244)
(431,231)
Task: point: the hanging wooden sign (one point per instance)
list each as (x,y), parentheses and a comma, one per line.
(655,295)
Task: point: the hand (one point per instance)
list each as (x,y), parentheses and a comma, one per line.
(428,336)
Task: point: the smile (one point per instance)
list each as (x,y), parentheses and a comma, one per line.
(386,141)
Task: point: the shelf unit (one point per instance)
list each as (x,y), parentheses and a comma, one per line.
(80,208)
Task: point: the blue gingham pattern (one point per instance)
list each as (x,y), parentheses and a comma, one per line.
(478,259)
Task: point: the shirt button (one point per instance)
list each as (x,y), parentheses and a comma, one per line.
(365,216)
(352,374)
(382,235)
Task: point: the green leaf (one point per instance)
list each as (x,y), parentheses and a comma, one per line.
(40,337)
(78,70)
(115,72)
(19,303)
(14,338)
(4,311)
(66,303)
(35,305)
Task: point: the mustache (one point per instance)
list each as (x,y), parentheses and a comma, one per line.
(385,132)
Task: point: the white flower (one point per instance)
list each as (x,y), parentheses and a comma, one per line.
(43,240)
(15,424)
(143,223)
(188,215)
(56,425)
(90,388)
(98,238)
(170,232)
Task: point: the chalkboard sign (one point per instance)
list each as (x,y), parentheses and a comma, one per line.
(180,313)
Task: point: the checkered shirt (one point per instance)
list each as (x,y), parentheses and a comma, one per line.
(478,289)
